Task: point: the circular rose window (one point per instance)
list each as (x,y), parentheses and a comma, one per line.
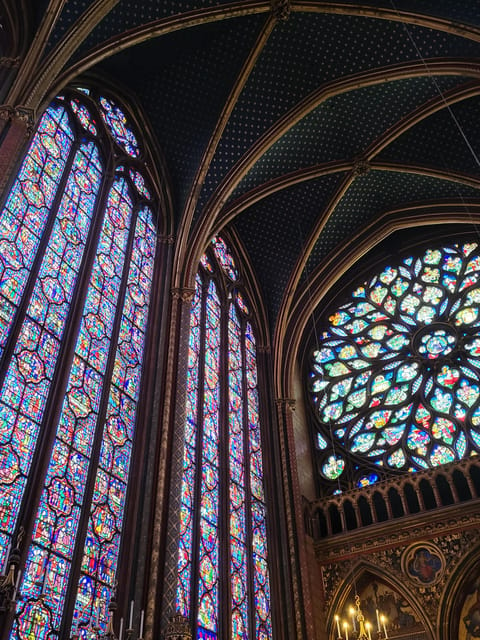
(395,377)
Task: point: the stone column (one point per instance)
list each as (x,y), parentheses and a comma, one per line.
(167,518)
(301,616)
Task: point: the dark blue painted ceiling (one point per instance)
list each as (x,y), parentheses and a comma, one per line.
(276,230)
(376,193)
(455,130)
(310,50)
(344,126)
(182,82)
(124,16)
(466,12)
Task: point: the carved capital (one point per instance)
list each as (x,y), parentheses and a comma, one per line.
(9,63)
(185,295)
(263,348)
(22,114)
(166,239)
(281,9)
(289,403)
(6,112)
(178,628)
(27,116)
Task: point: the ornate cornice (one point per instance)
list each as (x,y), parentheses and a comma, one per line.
(22,114)
(442,521)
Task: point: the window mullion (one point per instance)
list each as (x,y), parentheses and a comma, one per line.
(62,370)
(32,278)
(195,574)
(248,491)
(41,460)
(224,614)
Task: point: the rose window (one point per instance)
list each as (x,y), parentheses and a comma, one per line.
(395,378)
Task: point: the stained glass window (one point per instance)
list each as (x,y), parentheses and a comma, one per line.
(222,502)
(395,377)
(76,271)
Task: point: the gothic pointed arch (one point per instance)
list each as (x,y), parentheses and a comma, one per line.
(459,609)
(223,582)
(79,260)
(383,599)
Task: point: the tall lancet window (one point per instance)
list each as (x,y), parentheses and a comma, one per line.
(78,238)
(223,581)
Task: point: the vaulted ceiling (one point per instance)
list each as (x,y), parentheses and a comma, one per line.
(296,124)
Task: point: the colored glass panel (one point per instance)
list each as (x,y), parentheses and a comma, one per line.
(30,372)
(413,404)
(83,115)
(187,509)
(209,483)
(107,509)
(224,257)
(38,215)
(261,581)
(237,510)
(49,558)
(25,214)
(241,303)
(121,131)
(139,183)
(222,409)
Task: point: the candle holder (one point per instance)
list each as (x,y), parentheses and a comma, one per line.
(112,607)
(93,631)
(360,629)
(9,582)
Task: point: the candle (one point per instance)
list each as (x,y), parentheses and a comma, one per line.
(352,613)
(140,635)
(378,620)
(345,626)
(120,635)
(5,568)
(130,624)
(338,626)
(17,582)
(368,625)
(383,619)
